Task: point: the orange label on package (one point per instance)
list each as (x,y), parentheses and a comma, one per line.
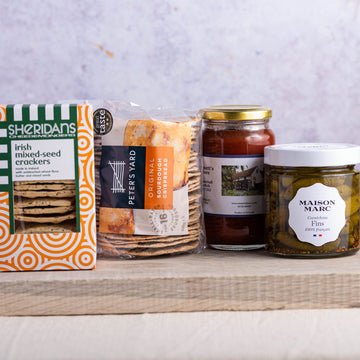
(159,172)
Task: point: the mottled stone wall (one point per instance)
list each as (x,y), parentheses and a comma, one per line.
(302,58)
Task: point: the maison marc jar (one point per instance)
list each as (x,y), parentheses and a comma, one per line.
(312,199)
(234,138)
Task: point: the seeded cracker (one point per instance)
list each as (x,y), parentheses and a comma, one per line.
(65,227)
(126,232)
(43,210)
(45,186)
(41,202)
(46,219)
(36,194)
(44,202)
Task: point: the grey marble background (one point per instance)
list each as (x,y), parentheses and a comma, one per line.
(302,58)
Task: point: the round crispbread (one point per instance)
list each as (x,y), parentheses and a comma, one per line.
(193,229)
(169,250)
(153,244)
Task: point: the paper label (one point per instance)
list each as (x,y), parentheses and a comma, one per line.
(162,222)
(317,214)
(137,177)
(42,160)
(233,185)
(144,178)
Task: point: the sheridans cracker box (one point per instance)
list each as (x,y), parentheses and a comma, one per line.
(47,192)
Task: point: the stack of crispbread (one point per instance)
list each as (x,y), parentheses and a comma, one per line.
(129,245)
(44,206)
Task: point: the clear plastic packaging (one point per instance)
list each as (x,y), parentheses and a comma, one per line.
(148,181)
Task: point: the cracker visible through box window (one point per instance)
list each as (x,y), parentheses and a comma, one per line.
(44,193)
(65,227)
(44,210)
(41,202)
(28,211)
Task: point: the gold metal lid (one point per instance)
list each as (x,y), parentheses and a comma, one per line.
(236,112)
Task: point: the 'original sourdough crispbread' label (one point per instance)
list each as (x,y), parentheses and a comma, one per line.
(146,171)
(47,198)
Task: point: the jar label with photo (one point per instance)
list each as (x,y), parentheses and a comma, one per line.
(317,214)
(233,185)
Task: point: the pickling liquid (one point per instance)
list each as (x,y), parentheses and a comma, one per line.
(323,231)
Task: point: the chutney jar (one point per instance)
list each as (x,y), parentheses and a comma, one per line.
(234,138)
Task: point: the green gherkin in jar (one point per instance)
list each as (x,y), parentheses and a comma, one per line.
(311,211)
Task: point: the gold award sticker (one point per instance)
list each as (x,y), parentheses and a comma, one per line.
(103,121)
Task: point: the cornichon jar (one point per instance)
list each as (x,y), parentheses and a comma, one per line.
(312,199)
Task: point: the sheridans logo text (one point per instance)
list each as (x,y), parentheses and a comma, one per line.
(41,130)
(317,205)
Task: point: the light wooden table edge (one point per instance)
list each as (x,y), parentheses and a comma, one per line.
(213,281)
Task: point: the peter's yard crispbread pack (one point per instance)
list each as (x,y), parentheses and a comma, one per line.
(47,199)
(148,195)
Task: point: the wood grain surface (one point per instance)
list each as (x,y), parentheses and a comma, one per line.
(213,281)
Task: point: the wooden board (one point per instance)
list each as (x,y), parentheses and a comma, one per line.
(214,280)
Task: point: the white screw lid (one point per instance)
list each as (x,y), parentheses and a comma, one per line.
(312,154)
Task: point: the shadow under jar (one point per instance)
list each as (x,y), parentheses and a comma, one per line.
(234,138)
(312,199)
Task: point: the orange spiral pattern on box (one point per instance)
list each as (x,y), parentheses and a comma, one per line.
(2,113)
(63,251)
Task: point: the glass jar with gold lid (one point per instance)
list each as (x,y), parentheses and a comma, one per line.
(234,138)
